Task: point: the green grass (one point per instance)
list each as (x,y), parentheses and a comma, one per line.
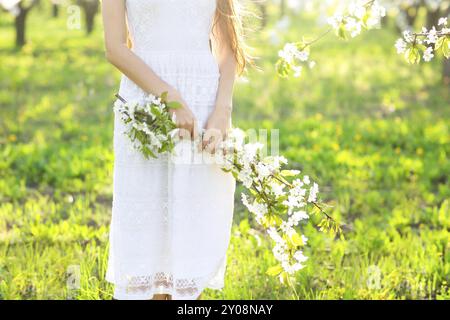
(373,131)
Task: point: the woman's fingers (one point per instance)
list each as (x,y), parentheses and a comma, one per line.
(194,129)
(211,140)
(206,138)
(188,128)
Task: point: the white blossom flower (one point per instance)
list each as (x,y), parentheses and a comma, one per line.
(276,188)
(300,257)
(353,26)
(428,54)
(357,9)
(286,227)
(313,193)
(336,20)
(302,55)
(278,161)
(250,151)
(149,98)
(377,12)
(245,176)
(443,21)
(263,170)
(408,36)
(306,180)
(273,233)
(432,36)
(297,71)
(288,53)
(401,46)
(297,216)
(157,101)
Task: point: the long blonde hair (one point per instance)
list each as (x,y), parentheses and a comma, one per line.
(228,26)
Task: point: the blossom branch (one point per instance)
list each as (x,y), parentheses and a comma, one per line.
(294,56)
(278,204)
(416,46)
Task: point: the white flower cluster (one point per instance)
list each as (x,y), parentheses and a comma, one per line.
(359,14)
(290,263)
(278,205)
(296,55)
(427,42)
(148,125)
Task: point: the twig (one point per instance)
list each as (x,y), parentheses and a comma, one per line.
(118,96)
(324,34)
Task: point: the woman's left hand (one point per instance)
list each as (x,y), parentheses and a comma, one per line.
(216,129)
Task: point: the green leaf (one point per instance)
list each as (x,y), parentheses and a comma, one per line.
(164,96)
(289,173)
(297,239)
(264,222)
(412,55)
(174,105)
(446,47)
(274,220)
(274,271)
(244,226)
(341,32)
(284,278)
(365,19)
(439,43)
(283,68)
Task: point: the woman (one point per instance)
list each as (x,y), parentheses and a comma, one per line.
(171,219)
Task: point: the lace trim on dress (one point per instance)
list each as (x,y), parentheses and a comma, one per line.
(146,284)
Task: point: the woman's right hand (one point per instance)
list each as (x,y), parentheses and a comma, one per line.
(184,117)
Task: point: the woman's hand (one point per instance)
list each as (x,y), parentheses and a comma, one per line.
(184,118)
(217,127)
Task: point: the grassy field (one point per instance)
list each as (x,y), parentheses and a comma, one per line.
(371,130)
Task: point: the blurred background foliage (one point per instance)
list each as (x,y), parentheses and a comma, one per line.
(373,131)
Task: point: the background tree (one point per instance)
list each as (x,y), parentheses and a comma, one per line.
(55,8)
(90,9)
(20,9)
(282,8)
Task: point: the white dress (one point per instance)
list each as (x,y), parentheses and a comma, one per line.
(171,220)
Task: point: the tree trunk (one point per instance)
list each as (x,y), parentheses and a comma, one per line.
(90,8)
(20,24)
(411,15)
(89,22)
(433,18)
(282,8)
(55,10)
(385,20)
